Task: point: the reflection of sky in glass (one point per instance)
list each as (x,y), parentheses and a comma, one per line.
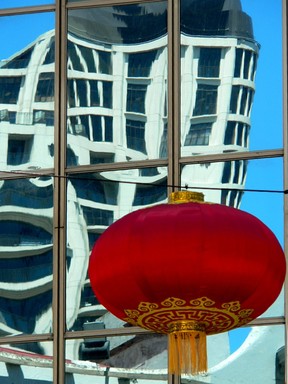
(268,78)
(265,174)
(23,3)
(237,336)
(29,28)
(266,130)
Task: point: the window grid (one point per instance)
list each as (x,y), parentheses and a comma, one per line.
(65,173)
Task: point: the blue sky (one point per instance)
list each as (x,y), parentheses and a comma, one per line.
(31,26)
(266,128)
(267,110)
(23,3)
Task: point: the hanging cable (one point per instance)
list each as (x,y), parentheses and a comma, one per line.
(179,187)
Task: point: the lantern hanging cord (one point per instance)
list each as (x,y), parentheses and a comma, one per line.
(34,175)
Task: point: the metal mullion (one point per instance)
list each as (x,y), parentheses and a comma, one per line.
(174,89)
(107,332)
(101,3)
(199,159)
(232,156)
(4,175)
(129,331)
(285,165)
(25,338)
(174,108)
(27,10)
(110,167)
(59,262)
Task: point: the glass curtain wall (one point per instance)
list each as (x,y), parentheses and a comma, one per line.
(106,108)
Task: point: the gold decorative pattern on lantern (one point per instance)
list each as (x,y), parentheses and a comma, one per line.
(162,317)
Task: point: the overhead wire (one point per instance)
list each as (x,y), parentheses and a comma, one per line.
(159,185)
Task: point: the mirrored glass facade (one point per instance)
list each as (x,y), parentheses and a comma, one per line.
(26,362)
(27,95)
(117,84)
(106,109)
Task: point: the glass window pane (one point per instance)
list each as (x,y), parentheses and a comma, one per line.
(255,186)
(32,26)
(261,344)
(24,3)
(267,87)
(117,76)
(26,362)
(239,354)
(206,100)
(221,47)
(27,92)
(96,201)
(135,133)
(139,64)
(128,358)
(198,134)
(209,62)
(26,247)
(268,207)
(136,95)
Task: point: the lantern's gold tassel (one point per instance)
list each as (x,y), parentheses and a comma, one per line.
(187,350)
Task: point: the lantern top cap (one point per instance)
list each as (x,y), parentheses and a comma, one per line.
(185,197)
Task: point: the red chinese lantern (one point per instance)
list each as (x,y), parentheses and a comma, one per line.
(189,270)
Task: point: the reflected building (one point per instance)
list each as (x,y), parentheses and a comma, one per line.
(117,111)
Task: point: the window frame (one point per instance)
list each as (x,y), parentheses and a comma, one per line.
(174,160)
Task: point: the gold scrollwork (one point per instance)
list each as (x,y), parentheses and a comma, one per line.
(202,302)
(174,312)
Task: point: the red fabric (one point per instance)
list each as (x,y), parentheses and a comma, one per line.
(187,251)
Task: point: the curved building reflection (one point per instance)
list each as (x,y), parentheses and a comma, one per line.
(116,112)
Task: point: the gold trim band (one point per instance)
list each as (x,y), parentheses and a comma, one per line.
(186,326)
(185,197)
(161,317)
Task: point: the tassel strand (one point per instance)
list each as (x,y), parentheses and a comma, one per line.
(187,352)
